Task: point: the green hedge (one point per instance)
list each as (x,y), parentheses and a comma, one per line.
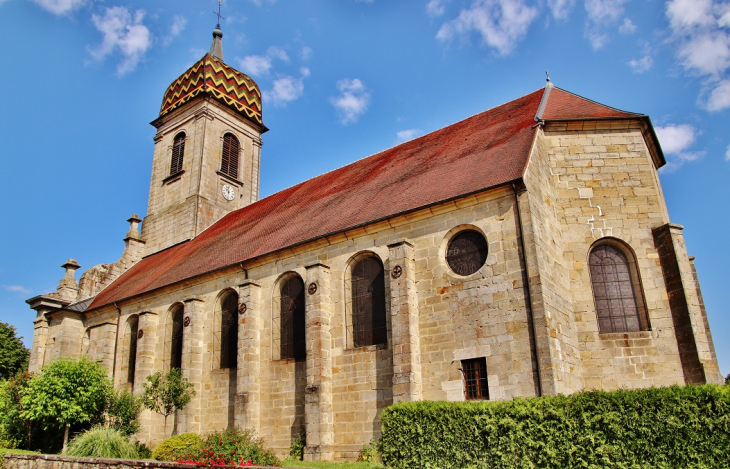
(676,427)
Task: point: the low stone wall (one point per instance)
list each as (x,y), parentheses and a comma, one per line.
(49,461)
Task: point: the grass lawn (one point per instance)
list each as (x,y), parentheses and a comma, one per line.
(331,465)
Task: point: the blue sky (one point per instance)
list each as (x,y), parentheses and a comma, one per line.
(341,80)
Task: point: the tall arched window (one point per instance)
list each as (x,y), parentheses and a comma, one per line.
(178,151)
(231,149)
(293,341)
(175,337)
(132,359)
(616,288)
(368,303)
(229,330)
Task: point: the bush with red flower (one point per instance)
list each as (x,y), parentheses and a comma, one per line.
(233,447)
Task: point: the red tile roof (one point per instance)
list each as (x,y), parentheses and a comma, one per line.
(478,153)
(566,105)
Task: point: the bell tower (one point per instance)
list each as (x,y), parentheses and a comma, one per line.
(207,150)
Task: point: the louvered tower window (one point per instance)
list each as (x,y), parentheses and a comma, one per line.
(229,331)
(178,151)
(132,359)
(293,341)
(467,252)
(368,303)
(616,290)
(176,337)
(231,150)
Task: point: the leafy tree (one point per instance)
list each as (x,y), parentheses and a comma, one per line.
(67,392)
(166,394)
(727,379)
(13,354)
(15,430)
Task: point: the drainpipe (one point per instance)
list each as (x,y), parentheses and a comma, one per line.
(528,303)
(116,342)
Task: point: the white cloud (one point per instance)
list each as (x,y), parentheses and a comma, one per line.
(256,65)
(177,27)
(410,134)
(16,289)
(306,53)
(500,23)
(436,7)
(719,98)
(602,16)
(124,33)
(287,88)
(3,1)
(560,9)
(641,65)
(627,27)
(675,140)
(277,53)
(701,31)
(60,7)
(352,101)
(727,153)
(258,3)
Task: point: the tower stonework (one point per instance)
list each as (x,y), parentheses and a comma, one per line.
(209,101)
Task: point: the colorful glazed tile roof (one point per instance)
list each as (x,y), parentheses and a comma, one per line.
(484,151)
(215,78)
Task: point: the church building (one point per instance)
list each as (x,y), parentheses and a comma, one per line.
(524,251)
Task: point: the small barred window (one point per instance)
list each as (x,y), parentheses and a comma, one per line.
(616,290)
(178,151)
(229,161)
(475,379)
(467,252)
(229,331)
(369,325)
(293,341)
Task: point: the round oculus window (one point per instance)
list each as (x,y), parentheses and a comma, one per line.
(467,252)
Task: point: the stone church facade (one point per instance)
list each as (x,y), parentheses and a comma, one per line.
(524,251)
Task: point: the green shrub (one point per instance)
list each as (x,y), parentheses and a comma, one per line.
(143,451)
(232,447)
(122,411)
(101,442)
(177,447)
(676,427)
(296,450)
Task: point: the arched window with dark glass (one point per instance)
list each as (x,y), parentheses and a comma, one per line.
(368,303)
(132,358)
(175,337)
(231,150)
(229,330)
(293,340)
(616,289)
(178,152)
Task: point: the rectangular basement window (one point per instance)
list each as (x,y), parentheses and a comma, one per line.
(475,379)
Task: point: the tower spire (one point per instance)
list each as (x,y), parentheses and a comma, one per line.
(216,48)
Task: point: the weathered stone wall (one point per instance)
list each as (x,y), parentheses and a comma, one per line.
(607,186)
(181,207)
(46,461)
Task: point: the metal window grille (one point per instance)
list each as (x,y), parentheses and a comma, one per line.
(293,340)
(229,331)
(368,303)
(467,252)
(475,379)
(231,150)
(178,151)
(132,359)
(175,338)
(613,290)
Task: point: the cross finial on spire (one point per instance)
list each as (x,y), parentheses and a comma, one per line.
(218,26)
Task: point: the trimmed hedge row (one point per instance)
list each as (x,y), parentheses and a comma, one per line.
(675,427)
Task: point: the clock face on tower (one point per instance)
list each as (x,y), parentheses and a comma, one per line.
(228,192)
